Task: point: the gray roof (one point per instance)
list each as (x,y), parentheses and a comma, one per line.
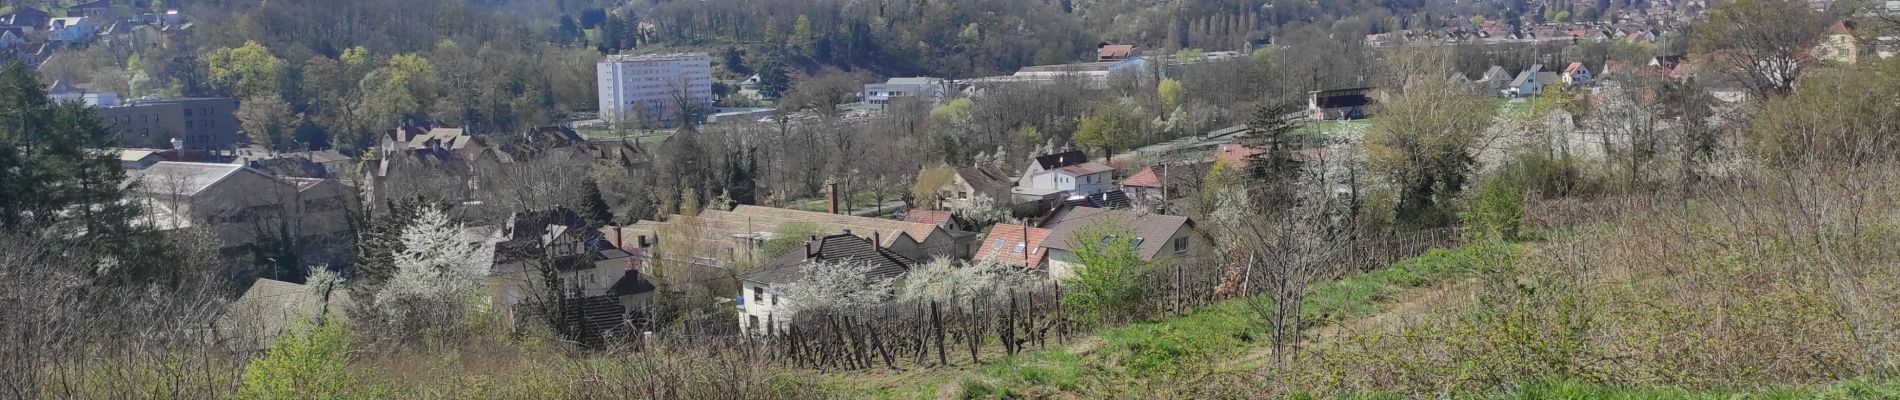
(985,178)
(914,81)
(1526,75)
(1152,230)
(186,178)
(842,248)
(270,309)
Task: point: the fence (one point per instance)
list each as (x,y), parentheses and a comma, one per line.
(938,333)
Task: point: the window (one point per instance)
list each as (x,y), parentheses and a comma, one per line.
(1019,248)
(998,245)
(187,112)
(752,322)
(1181,245)
(963,195)
(188,125)
(758,293)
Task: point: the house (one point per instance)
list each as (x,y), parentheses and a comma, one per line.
(63,92)
(1079,178)
(761,302)
(26,16)
(1096,73)
(1159,185)
(966,183)
(271,309)
(96,9)
(1113,52)
(69,29)
(1337,104)
(929,90)
(749,88)
(1530,82)
(1495,78)
(1839,44)
(11,37)
(1576,75)
(602,282)
(713,241)
(942,218)
(1155,238)
(244,206)
(1015,245)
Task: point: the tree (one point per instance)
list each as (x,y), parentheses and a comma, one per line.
(1108,284)
(380,240)
(436,282)
(1275,164)
(1110,127)
(836,286)
(246,71)
(593,205)
(946,280)
(54,179)
(924,194)
(824,94)
(742,177)
(773,79)
(1172,95)
(802,36)
(268,119)
(1423,141)
(1760,43)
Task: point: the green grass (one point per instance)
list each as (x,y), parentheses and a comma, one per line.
(1199,341)
(1334,128)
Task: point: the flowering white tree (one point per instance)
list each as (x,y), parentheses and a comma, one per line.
(945,279)
(841,285)
(982,210)
(436,280)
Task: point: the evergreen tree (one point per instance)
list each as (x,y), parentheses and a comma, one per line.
(594,205)
(1275,164)
(773,80)
(741,178)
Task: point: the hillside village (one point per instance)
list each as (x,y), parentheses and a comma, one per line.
(1467,206)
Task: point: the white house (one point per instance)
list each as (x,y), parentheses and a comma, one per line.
(653,87)
(1063,173)
(1530,82)
(69,29)
(931,90)
(1576,75)
(763,309)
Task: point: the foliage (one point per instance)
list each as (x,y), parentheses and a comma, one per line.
(824,94)
(313,364)
(1111,127)
(981,210)
(1838,116)
(1108,277)
(836,286)
(787,236)
(268,119)
(924,193)
(593,205)
(946,280)
(436,282)
(1423,143)
(246,71)
(1172,94)
(1761,43)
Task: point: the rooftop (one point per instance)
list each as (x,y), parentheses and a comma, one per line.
(655,57)
(1017,245)
(186,178)
(830,250)
(1151,231)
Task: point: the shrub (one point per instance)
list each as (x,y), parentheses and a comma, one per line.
(309,365)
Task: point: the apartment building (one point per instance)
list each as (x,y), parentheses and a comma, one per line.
(651,87)
(203,123)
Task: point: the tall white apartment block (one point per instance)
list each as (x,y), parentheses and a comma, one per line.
(650,86)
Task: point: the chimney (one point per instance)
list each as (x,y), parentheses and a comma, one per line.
(847,231)
(808,249)
(877,237)
(831,198)
(618,242)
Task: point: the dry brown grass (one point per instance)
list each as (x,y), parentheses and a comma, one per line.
(1789,280)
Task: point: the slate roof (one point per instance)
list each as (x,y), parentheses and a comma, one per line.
(985,178)
(1016,245)
(1063,159)
(1151,230)
(1527,75)
(1110,199)
(933,217)
(631,283)
(1088,168)
(828,250)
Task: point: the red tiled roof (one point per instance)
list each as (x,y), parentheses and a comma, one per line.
(933,217)
(1115,51)
(1235,155)
(1001,244)
(1144,178)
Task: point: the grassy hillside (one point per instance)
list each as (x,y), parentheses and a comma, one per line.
(1780,289)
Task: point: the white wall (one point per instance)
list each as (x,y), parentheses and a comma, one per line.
(648,84)
(762,309)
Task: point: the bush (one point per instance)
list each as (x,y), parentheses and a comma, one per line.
(1108,282)
(309,365)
